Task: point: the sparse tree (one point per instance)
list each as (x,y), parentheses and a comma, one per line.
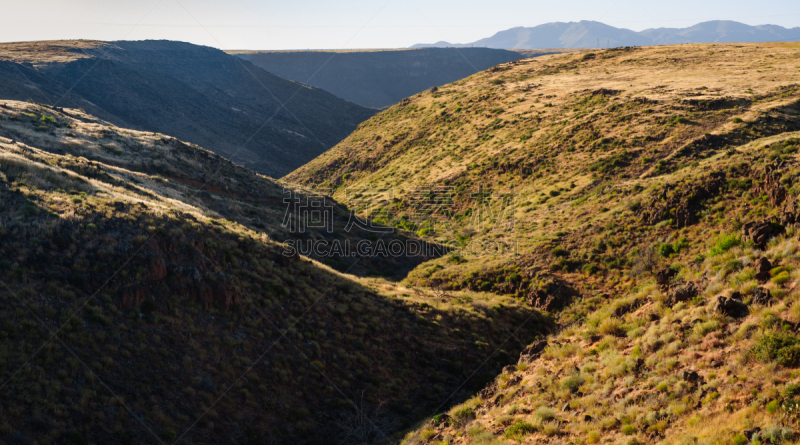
(364,424)
(646,261)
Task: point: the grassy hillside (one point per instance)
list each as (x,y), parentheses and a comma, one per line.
(195,93)
(654,216)
(142,306)
(573,136)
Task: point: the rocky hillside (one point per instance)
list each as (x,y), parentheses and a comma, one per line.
(378,78)
(195,93)
(148,298)
(646,198)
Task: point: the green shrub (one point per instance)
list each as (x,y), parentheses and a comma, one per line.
(733,265)
(169,435)
(677,119)
(519,429)
(775,434)
(628,429)
(551,428)
(781,347)
(791,390)
(590,268)
(665,250)
(572,383)
(462,416)
(725,243)
(437,419)
(611,326)
(740,440)
(545,413)
(781,278)
(772,407)
(703,328)
(789,356)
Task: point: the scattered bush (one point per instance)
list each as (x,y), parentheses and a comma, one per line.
(725,243)
(462,416)
(611,326)
(572,383)
(791,390)
(545,413)
(780,347)
(772,407)
(665,250)
(781,278)
(519,429)
(551,428)
(774,435)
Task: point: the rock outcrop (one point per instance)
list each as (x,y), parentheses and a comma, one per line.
(763,266)
(771,185)
(759,232)
(731,306)
(681,201)
(533,351)
(762,296)
(684,292)
(664,278)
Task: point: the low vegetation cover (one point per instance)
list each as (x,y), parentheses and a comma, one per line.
(655,219)
(146,300)
(644,207)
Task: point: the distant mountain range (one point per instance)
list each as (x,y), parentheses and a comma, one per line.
(590,34)
(378,78)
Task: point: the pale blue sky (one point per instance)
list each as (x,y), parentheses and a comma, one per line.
(280,24)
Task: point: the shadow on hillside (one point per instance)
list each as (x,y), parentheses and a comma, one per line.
(181,313)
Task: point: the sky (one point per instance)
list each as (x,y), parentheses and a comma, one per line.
(352,24)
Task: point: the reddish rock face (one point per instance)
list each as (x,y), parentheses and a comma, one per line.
(158,269)
(189,272)
(771,186)
(133,297)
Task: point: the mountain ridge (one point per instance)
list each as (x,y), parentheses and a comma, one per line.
(197,93)
(591,34)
